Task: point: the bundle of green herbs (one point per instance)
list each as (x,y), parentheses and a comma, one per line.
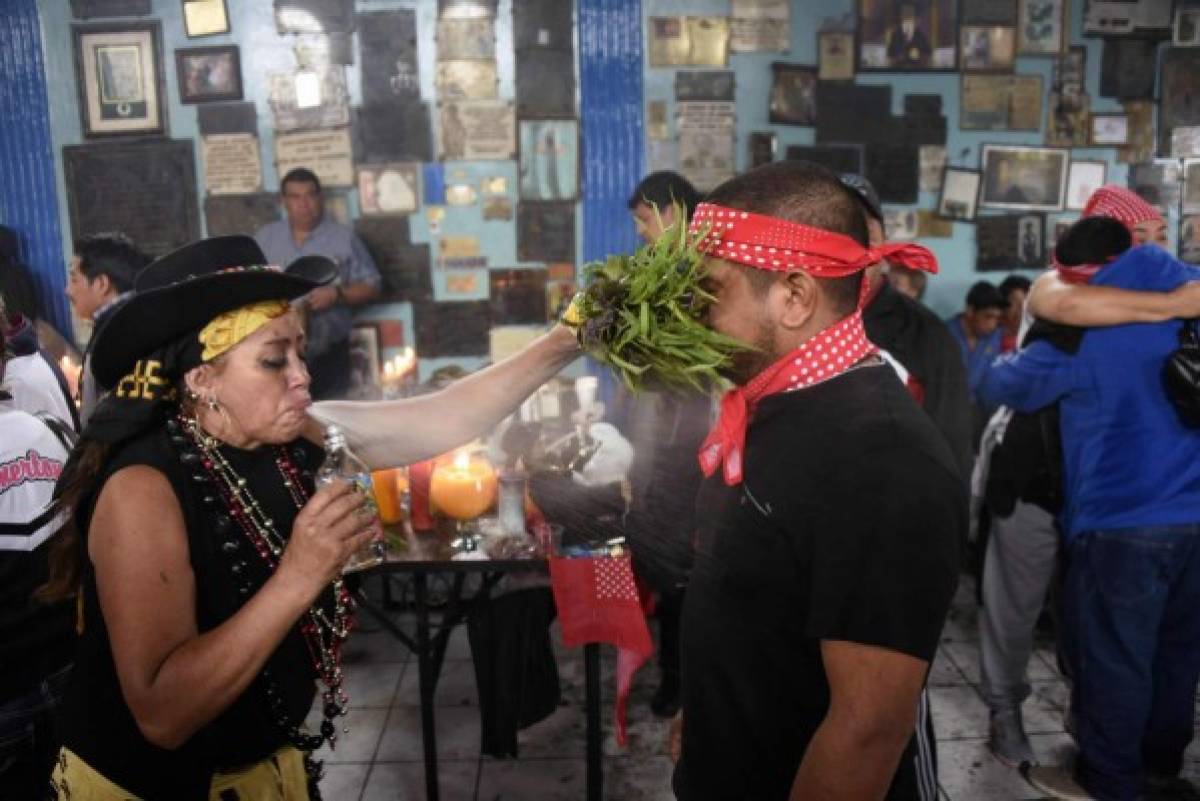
(643,315)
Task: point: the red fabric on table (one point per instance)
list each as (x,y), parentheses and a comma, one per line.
(598,601)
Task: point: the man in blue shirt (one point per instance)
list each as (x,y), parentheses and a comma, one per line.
(308,232)
(977,331)
(1131,521)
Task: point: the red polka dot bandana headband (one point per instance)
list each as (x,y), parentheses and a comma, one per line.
(768,243)
(1123,206)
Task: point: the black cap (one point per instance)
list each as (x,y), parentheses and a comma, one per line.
(864,192)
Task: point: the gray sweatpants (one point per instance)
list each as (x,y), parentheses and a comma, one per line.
(1021,558)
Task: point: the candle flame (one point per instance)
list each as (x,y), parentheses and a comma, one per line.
(462,460)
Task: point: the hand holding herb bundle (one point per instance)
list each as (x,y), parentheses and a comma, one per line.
(643,315)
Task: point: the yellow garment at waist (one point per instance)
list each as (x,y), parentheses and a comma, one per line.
(279,777)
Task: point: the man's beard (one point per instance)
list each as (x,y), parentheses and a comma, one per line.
(746,364)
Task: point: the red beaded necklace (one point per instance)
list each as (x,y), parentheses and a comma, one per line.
(323,633)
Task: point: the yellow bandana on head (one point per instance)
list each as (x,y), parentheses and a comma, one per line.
(230,328)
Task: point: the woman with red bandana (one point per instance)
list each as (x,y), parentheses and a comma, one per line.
(1063,296)
(829,521)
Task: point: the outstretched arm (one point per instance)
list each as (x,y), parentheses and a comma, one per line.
(1052,298)
(391,433)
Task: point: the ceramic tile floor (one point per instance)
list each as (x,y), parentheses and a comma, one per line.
(380,759)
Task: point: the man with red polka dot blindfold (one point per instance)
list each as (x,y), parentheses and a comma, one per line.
(829,521)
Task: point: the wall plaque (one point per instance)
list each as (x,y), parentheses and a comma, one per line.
(239,214)
(146,189)
(546,232)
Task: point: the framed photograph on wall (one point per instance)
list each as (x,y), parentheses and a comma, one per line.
(1084,178)
(835,55)
(1024,178)
(205,18)
(987,48)
(1189,239)
(1110,130)
(1041,27)
(119,75)
(1191,186)
(907,36)
(793,98)
(960,194)
(1187,26)
(208,74)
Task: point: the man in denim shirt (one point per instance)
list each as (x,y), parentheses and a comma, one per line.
(308,232)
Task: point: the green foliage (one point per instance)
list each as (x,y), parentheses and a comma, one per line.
(643,314)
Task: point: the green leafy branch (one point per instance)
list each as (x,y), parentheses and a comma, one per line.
(643,315)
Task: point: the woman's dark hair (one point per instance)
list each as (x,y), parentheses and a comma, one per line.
(661,189)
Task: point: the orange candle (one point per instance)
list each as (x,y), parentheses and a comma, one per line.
(387,495)
(464,488)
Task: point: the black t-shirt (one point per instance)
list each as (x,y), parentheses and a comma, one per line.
(846,527)
(920,341)
(97,724)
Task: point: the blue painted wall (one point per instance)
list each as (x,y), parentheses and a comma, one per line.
(753,75)
(613,71)
(27,190)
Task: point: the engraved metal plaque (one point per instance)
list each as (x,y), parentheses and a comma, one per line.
(239,214)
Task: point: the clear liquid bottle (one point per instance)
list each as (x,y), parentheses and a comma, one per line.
(341,463)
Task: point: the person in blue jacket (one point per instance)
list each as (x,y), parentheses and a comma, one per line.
(1131,522)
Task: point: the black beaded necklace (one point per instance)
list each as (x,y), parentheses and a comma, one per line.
(323,633)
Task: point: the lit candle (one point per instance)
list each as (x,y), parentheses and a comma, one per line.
(387,494)
(464,488)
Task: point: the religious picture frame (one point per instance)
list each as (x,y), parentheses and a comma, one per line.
(959,199)
(793,98)
(1041,27)
(1191,186)
(1179,93)
(1084,178)
(906,36)
(835,56)
(209,74)
(1189,238)
(1186,31)
(205,18)
(987,48)
(1024,178)
(119,76)
(1109,130)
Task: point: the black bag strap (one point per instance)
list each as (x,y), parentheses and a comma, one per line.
(60,429)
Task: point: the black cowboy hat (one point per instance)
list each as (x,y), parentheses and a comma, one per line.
(182,291)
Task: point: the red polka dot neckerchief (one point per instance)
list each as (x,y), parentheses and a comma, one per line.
(768,243)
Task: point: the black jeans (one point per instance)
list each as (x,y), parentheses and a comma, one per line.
(29,740)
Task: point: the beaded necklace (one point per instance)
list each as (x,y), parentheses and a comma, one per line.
(323,632)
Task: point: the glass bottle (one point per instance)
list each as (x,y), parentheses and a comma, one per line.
(341,463)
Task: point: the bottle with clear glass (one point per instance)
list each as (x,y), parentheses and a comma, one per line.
(341,463)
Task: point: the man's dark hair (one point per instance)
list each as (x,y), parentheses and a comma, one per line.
(300,175)
(112,254)
(983,295)
(1014,283)
(660,189)
(805,193)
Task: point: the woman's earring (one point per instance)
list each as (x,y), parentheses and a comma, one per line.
(212,403)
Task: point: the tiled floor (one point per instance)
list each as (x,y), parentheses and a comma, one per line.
(380,757)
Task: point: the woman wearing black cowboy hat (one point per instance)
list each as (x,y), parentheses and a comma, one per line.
(208,569)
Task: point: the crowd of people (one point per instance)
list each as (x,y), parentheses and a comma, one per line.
(172,604)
